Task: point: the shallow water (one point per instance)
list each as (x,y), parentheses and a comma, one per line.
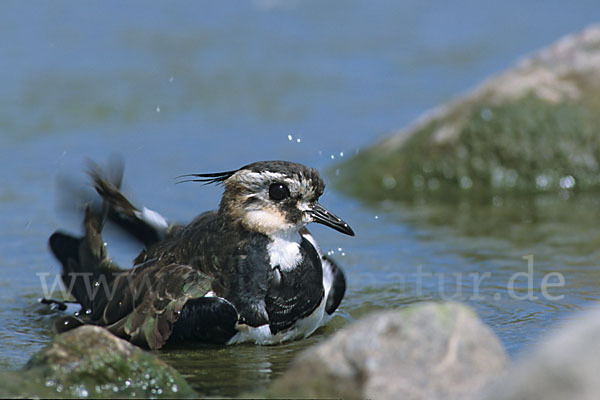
(206,88)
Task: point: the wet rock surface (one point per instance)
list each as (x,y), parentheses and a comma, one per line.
(91,362)
(533,128)
(565,365)
(427,351)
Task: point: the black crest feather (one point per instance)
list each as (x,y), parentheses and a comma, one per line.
(207,179)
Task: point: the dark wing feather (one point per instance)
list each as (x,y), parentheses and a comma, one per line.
(83,259)
(298,292)
(338,286)
(146,302)
(140,304)
(206,320)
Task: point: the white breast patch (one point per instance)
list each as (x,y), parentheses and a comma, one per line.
(284,250)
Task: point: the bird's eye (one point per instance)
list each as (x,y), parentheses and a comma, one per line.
(278,191)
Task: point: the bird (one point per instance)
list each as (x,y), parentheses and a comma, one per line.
(249,271)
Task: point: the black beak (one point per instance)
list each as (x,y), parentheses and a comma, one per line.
(322,216)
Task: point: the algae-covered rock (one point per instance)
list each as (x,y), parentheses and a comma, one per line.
(427,351)
(91,362)
(534,128)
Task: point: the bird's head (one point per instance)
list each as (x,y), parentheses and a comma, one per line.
(273,196)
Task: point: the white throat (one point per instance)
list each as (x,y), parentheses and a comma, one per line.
(284,249)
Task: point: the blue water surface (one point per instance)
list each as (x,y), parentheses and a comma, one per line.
(183,87)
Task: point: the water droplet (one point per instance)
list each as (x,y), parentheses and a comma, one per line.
(157,109)
(341,154)
(511,177)
(466,182)
(96,284)
(418,181)
(567,182)
(542,181)
(343,254)
(339,249)
(127,383)
(389,182)
(497,201)
(174,388)
(377,217)
(433,184)
(564,194)
(332,156)
(290,138)
(88,311)
(486,114)
(298,140)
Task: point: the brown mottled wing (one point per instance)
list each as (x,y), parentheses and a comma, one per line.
(146,302)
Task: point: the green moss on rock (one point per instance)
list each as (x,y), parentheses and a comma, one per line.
(535,128)
(529,145)
(91,362)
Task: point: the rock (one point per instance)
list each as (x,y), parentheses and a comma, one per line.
(427,351)
(91,362)
(563,366)
(534,128)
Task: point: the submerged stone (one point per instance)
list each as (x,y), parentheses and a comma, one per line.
(534,128)
(91,362)
(427,351)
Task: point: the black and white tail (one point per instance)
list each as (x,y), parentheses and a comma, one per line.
(145,225)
